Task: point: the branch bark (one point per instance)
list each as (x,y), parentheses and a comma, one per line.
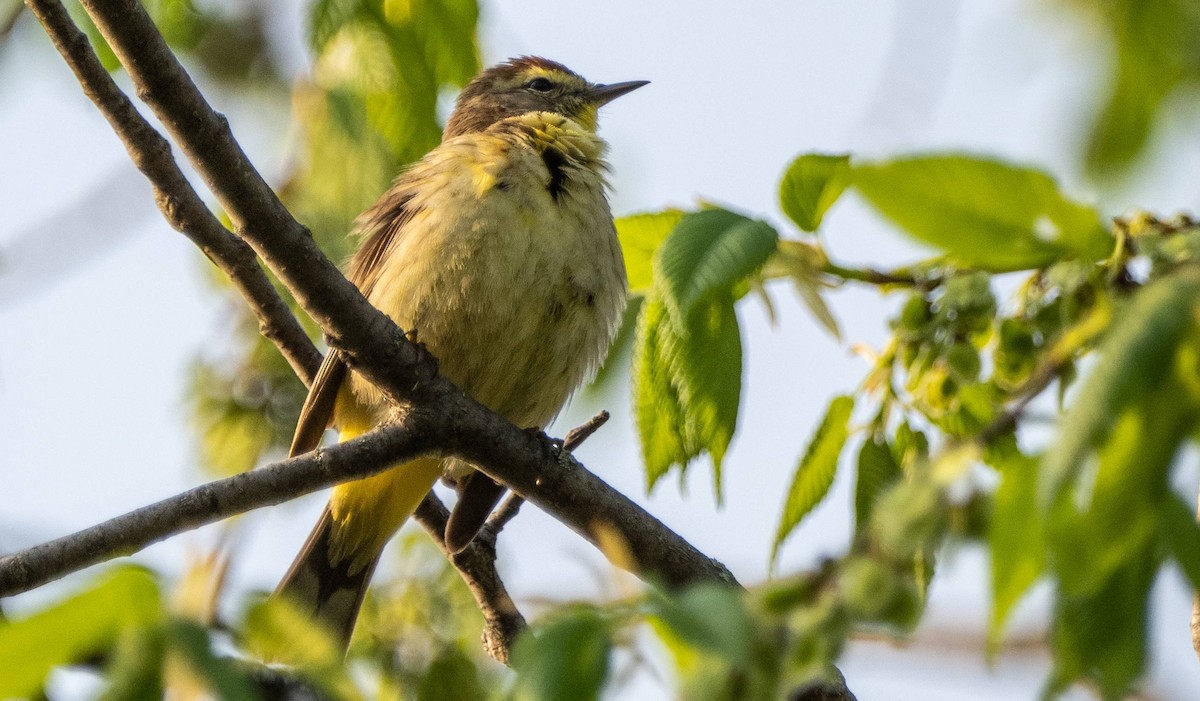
(266,486)
(374,345)
(183,209)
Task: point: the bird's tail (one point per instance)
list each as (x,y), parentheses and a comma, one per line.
(326,585)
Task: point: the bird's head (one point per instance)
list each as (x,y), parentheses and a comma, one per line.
(530,84)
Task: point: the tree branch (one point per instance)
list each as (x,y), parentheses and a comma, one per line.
(476,564)
(372,343)
(183,209)
(266,486)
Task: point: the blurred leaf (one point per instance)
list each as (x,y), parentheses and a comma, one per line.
(877,470)
(812,183)
(1182,535)
(1135,358)
(984,213)
(816,470)
(1117,513)
(1016,536)
(75,629)
(710,617)
(686,391)
(223,676)
(451,677)
(566,660)
(641,235)
(276,631)
(1102,637)
(706,254)
(135,668)
(1155,54)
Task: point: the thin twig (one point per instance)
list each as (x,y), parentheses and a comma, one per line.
(512,505)
(476,564)
(180,205)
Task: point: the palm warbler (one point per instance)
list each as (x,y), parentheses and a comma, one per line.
(497,249)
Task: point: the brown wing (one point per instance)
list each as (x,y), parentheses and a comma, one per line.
(381,227)
(317,412)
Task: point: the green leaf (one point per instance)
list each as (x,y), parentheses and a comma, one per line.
(1016,537)
(710,617)
(1135,358)
(136,666)
(877,470)
(812,183)
(451,677)
(657,405)
(222,674)
(1102,637)
(983,213)
(75,629)
(567,660)
(641,235)
(1182,535)
(706,255)
(687,390)
(817,468)
(1155,55)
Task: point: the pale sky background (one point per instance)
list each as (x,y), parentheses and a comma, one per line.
(102,308)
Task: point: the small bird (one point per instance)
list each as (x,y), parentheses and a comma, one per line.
(497,250)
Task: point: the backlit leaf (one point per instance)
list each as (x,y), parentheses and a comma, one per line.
(817,468)
(812,183)
(641,235)
(984,213)
(706,255)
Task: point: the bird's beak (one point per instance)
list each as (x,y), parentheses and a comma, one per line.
(600,95)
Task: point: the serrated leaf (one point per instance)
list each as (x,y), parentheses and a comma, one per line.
(1016,537)
(687,391)
(710,617)
(983,213)
(641,235)
(816,470)
(657,406)
(1135,358)
(75,629)
(877,470)
(567,660)
(706,255)
(812,183)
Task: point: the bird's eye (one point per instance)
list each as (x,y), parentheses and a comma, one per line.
(540,85)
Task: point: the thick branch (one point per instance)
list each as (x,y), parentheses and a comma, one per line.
(180,205)
(371,341)
(214,501)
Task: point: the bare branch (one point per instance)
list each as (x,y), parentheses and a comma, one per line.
(476,564)
(180,205)
(214,501)
(512,505)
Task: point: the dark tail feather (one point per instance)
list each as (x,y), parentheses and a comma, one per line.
(477,496)
(328,590)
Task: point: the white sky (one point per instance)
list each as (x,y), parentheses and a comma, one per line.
(93,365)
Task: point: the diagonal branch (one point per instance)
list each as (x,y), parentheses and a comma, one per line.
(183,209)
(371,342)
